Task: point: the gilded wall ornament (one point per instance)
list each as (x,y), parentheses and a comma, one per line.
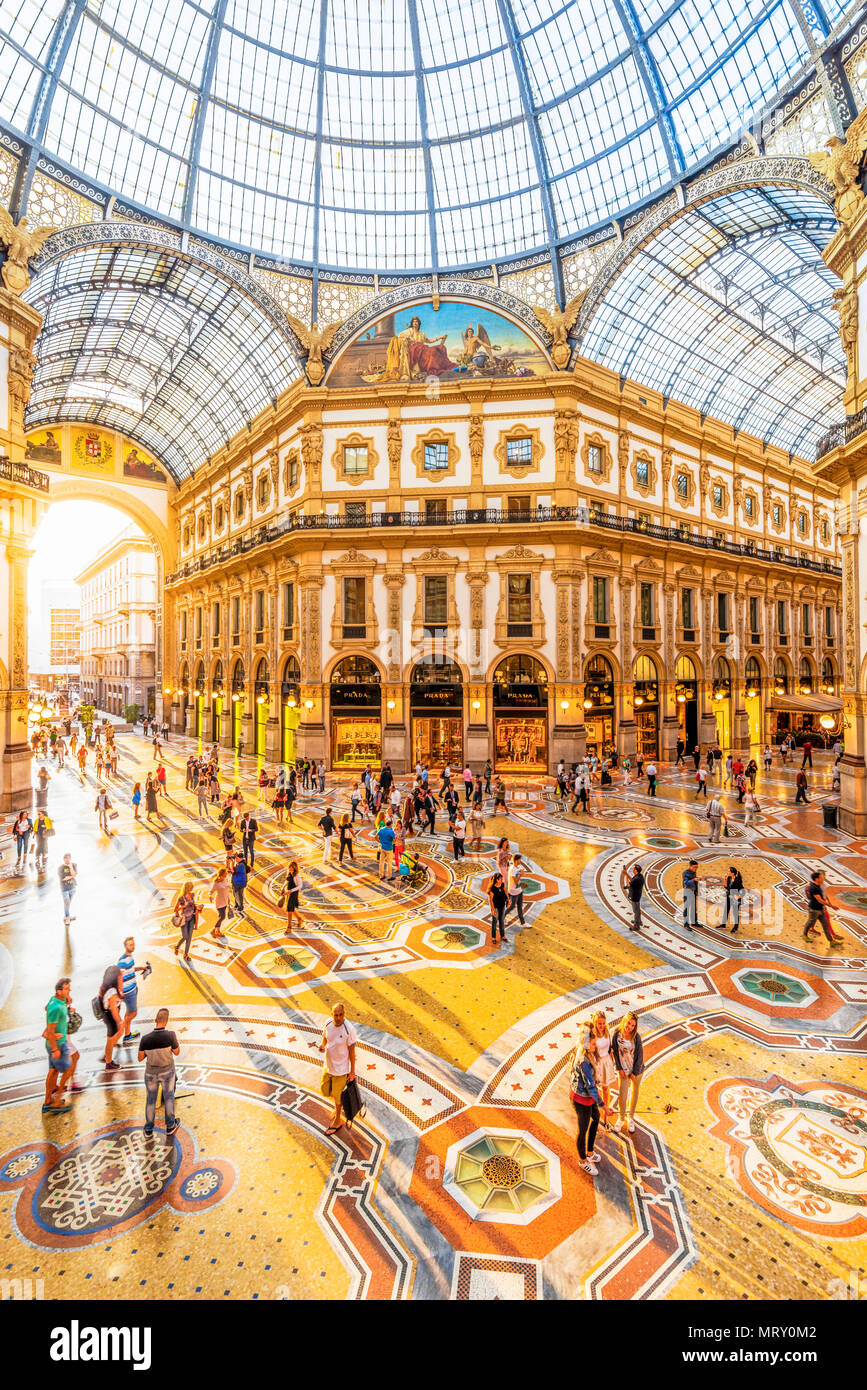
(22,244)
(559,323)
(315,341)
(840,163)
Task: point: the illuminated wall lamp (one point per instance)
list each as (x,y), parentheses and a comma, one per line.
(167,690)
(215,694)
(291,702)
(260,699)
(588,704)
(236,697)
(639,700)
(719,695)
(564,704)
(827,721)
(477,704)
(681,699)
(390,704)
(308,704)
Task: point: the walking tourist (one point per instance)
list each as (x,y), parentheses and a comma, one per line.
(338,1042)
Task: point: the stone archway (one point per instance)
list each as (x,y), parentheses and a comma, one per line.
(65,488)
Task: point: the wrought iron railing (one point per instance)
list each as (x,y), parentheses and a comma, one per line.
(22,473)
(847,430)
(488,516)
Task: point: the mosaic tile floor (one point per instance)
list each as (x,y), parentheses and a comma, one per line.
(746,1177)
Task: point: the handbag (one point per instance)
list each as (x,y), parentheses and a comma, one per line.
(352,1102)
(73,1020)
(113,815)
(178,919)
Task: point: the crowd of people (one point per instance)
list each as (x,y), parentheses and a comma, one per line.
(465,799)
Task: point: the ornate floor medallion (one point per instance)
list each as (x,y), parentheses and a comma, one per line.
(107,1182)
(799,1151)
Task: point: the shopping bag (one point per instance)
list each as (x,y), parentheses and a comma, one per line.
(113,815)
(351,1101)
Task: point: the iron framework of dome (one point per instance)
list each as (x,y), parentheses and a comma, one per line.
(396,135)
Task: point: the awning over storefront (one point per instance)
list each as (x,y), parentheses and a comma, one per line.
(815,704)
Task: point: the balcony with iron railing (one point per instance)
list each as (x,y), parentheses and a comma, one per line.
(841,434)
(23,475)
(480,517)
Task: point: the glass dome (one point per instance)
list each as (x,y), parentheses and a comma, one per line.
(387,135)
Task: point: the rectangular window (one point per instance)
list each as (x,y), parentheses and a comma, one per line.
(215,625)
(644,519)
(642,472)
(687,610)
(519,452)
(292,471)
(683,486)
(288,610)
(594,458)
(356,513)
(236,621)
(198,627)
(354,616)
(259,614)
(777,514)
(717,497)
(755,616)
(600,600)
(436,456)
(749,506)
(829,624)
(645,605)
(781,618)
(183,630)
(519,597)
(436,595)
(435,509)
(354,460)
(722,614)
(806,621)
(802,523)
(823,530)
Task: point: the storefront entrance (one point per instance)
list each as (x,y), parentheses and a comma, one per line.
(216,718)
(436,700)
(647,732)
(599,733)
(356,713)
(437,740)
(355,740)
(262,713)
(520,715)
(289,733)
(237,717)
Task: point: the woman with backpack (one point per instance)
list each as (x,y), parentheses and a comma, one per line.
(240,879)
(584,1094)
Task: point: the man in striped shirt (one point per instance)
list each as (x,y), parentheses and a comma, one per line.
(130,987)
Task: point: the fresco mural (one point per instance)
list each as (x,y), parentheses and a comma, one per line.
(139,465)
(420,343)
(43,447)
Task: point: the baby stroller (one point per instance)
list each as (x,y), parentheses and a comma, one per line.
(412,872)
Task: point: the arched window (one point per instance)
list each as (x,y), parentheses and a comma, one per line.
(805,676)
(355,669)
(262,672)
(238,677)
(781,676)
(684,669)
(291,671)
(217,679)
(521,670)
(598,669)
(829,677)
(752,676)
(200,678)
(435,673)
(645,669)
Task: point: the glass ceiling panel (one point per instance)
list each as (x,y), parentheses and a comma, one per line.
(216,114)
(729,309)
(201,355)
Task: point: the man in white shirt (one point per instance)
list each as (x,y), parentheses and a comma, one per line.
(338,1043)
(715,815)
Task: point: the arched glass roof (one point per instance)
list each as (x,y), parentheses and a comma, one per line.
(149,341)
(729,309)
(392,134)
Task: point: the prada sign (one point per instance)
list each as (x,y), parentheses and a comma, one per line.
(523,696)
(436,697)
(367,696)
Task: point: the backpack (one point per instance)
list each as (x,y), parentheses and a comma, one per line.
(98,1007)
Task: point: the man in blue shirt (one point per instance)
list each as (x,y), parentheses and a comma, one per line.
(385,836)
(130,988)
(690,895)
